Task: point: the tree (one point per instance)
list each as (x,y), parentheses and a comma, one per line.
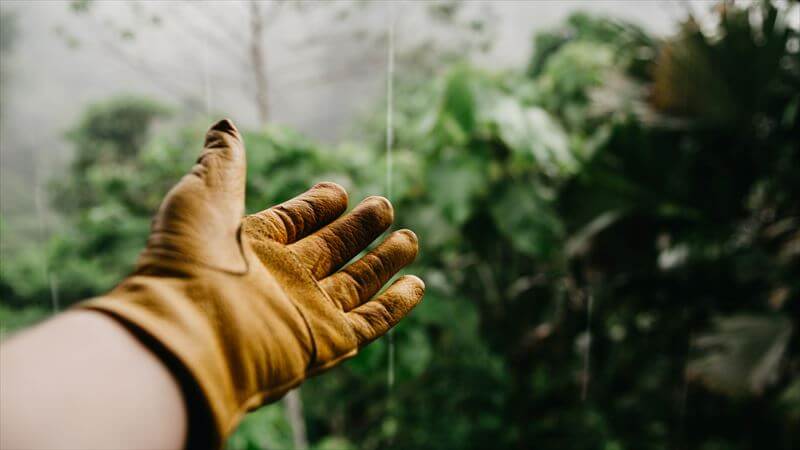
(243,36)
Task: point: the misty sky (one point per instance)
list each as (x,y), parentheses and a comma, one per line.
(323,65)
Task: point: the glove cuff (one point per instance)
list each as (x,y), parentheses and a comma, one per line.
(180,334)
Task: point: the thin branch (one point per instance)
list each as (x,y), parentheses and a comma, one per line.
(213,23)
(329,39)
(258,63)
(332,76)
(272,14)
(204,34)
(137,64)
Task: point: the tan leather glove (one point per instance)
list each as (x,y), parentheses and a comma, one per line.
(245,309)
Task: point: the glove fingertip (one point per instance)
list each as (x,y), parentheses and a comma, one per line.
(416,282)
(225,126)
(223,139)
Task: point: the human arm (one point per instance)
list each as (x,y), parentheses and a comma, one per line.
(242,309)
(81,380)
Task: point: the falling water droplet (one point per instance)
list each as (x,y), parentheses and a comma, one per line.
(389,168)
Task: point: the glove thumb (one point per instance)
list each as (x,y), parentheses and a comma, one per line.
(200,217)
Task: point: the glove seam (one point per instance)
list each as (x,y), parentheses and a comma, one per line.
(310,368)
(309,329)
(306,320)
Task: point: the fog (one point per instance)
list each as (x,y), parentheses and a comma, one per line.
(324,62)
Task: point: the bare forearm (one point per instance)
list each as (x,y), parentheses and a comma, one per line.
(81,380)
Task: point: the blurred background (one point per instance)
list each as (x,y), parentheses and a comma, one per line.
(606,195)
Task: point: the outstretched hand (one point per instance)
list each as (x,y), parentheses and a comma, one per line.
(251,306)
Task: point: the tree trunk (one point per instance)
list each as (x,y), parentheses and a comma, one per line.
(294,412)
(292,401)
(258,63)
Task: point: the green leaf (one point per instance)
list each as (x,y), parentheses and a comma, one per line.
(524,215)
(458,101)
(790,399)
(414,352)
(264,428)
(453,185)
(532,134)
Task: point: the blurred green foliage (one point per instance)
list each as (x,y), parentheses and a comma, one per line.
(653,180)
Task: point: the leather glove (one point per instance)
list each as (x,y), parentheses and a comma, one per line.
(245,309)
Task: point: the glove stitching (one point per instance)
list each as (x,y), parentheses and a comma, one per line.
(310,369)
(306,320)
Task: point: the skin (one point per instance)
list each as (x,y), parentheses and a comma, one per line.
(82,380)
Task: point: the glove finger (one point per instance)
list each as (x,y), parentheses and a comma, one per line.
(297,218)
(223,167)
(200,216)
(374,318)
(358,282)
(331,247)
(209,200)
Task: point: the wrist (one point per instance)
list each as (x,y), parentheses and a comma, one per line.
(204,335)
(179,343)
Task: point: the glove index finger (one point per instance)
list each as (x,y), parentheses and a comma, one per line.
(297,218)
